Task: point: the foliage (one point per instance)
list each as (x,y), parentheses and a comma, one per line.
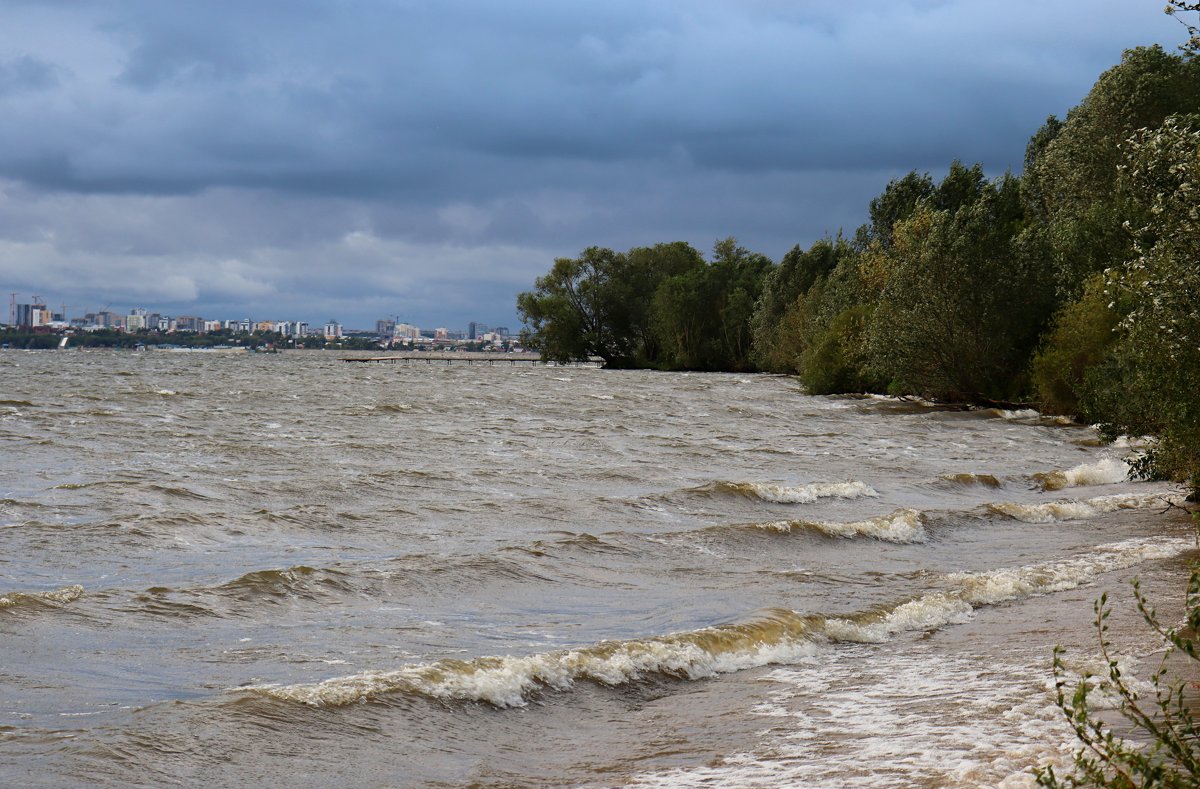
(959,310)
(1177,7)
(648,268)
(900,198)
(1164,750)
(1070,183)
(778,322)
(20,338)
(575,310)
(1074,283)
(1149,383)
(659,306)
(1082,334)
(837,360)
(702,318)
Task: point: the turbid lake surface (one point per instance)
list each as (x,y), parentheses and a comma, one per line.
(285,570)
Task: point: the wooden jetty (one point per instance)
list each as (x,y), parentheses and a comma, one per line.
(451,357)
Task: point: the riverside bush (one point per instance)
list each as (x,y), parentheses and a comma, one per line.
(1170,755)
(1082,332)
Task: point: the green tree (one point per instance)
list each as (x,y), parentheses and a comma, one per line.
(702,317)
(959,311)
(899,199)
(1070,186)
(600,304)
(1151,380)
(647,268)
(774,337)
(1079,341)
(576,312)
(1177,7)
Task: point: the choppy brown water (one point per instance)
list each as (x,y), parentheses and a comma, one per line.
(286,570)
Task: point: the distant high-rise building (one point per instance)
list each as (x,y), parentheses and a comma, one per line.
(189,323)
(30,316)
(385,327)
(333,330)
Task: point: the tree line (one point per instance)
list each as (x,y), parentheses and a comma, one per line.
(1074,285)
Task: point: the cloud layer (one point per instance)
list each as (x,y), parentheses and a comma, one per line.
(314,159)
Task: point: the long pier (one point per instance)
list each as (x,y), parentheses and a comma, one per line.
(455,357)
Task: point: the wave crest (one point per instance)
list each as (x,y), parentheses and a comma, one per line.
(1107,471)
(62,596)
(901,526)
(776,637)
(1074,509)
(802,494)
(299,581)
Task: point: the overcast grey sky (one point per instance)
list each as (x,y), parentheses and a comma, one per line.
(429,158)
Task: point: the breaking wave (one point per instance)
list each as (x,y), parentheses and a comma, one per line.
(783,494)
(777,636)
(968,479)
(1107,471)
(61,596)
(901,526)
(1073,509)
(969,591)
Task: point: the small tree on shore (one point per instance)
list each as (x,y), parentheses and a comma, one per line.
(1164,749)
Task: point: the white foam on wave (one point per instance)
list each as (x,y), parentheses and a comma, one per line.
(901,526)
(1106,471)
(1073,509)
(969,591)
(927,612)
(917,718)
(1002,585)
(67,594)
(801,494)
(1018,413)
(509,681)
(1030,415)
(778,637)
(956,720)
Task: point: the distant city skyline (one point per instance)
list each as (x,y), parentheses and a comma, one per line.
(430,160)
(17,307)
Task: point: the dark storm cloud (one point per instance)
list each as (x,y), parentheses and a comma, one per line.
(25,73)
(382,97)
(226,153)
